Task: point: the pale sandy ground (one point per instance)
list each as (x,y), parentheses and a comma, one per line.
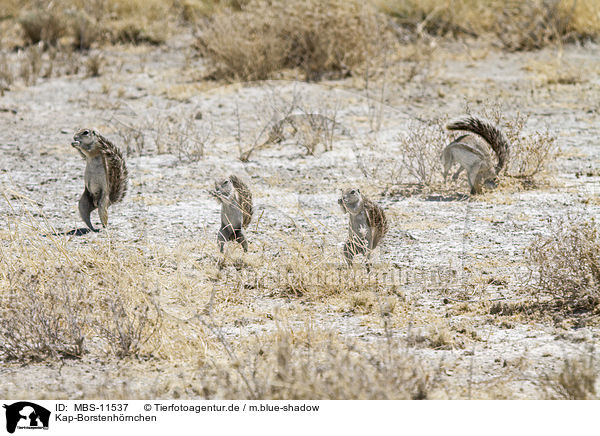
(296,195)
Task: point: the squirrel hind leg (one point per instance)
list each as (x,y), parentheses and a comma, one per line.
(474,178)
(223,236)
(240,237)
(86,207)
(103,211)
(457,173)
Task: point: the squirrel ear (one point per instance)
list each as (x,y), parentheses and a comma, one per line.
(94,132)
(358,190)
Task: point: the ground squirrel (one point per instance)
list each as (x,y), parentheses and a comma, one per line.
(105,175)
(236,210)
(471,154)
(367,225)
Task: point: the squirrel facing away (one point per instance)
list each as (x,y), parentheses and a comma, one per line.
(471,154)
(105,175)
(236,210)
(367,224)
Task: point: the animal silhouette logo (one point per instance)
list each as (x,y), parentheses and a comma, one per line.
(26,415)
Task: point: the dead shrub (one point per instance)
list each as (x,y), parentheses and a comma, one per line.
(575,381)
(94,64)
(50,316)
(6,73)
(440,338)
(86,30)
(60,302)
(434,17)
(192,139)
(183,136)
(533,24)
(315,36)
(179,134)
(308,364)
(412,160)
(516,25)
(566,265)
(311,124)
(136,31)
(43,25)
(128,326)
(532,155)
(88,22)
(309,129)
(39,322)
(418,152)
(30,66)
(133,139)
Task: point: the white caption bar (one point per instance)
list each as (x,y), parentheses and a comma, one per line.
(174,417)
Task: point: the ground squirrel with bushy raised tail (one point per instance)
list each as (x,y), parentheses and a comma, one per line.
(236,210)
(367,224)
(105,175)
(471,154)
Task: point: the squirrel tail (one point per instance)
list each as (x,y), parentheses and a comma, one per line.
(246,199)
(117,170)
(490,133)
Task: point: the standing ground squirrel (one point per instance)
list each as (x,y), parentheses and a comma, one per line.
(105,175)
(367,225)
(236,210)
(471,154)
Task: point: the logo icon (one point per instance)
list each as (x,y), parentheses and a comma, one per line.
(26,415)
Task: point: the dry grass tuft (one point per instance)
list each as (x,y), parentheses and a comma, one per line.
(39,322)
(534,24)
(6,74)
(83,24)
(576,380)
(316,37)
(435,17)
(281,120)
(181,135)
(419,152)
(61,301)
(86,30)
(412,161)
(309,130)
(441,338)
(37,61)
(566,265)
(94,65)
(43,25)
(514,25)
(295,364)
(132,31)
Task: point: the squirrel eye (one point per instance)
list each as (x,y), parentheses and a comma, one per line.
(86,132)
(353,192)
